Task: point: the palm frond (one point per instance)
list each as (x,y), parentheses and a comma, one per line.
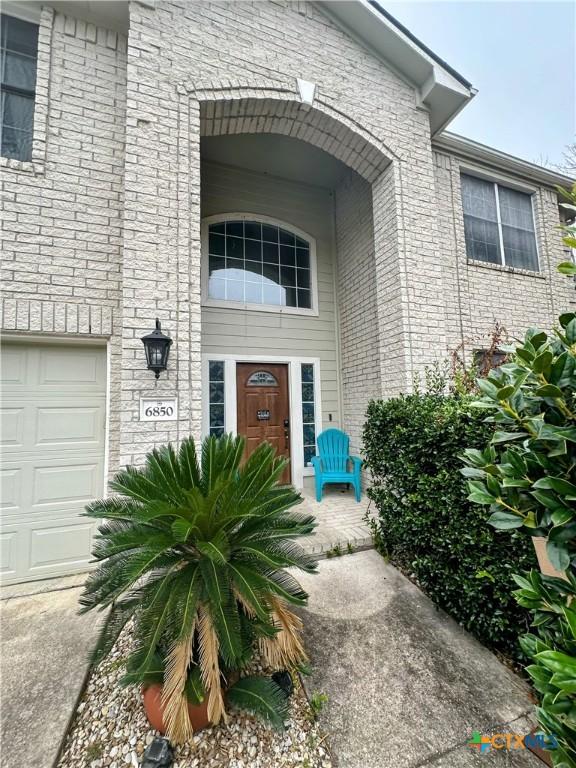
(110,542)
(134,483)
(220,457)
(113,508)
(277,526)
(117,619)
(249,514)
(154,672)
(188,461)
(182,621)
(279,554)
(194,689)
(152,620)
(285,649)
(223,609)
(174,700)
(285,585)
(161,470)
(261,696)
(209,666)
(217,549)
(249,591)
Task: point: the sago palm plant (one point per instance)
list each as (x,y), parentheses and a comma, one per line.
(193,551)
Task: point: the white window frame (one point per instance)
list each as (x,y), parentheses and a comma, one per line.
(503,181)
(298,470)
(43,16)
(236,216)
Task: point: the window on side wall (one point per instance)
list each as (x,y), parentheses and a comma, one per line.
(257,264)
(486,360)
(498,224)
(19,51)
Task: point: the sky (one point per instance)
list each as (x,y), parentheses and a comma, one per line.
(521,56)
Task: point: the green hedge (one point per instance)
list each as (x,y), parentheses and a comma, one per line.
(426,525)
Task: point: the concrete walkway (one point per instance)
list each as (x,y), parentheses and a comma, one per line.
(407,686)
(340,521)
(45,647)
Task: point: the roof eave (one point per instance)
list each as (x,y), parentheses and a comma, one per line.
(498,160)
(442,90)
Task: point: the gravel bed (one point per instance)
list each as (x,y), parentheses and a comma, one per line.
(110,730)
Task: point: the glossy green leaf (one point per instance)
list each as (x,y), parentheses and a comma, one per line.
(505,520)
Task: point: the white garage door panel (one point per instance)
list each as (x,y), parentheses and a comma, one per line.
(53,441)
(61,485)
(13,370)
(78,424)
(59,545)
(8,553)
(11,427)
(69,426)
(11,484)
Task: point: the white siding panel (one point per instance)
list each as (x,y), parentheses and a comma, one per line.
(232,331)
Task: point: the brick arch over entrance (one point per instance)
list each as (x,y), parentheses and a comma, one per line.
(319,125)
(369,246)
(161,257)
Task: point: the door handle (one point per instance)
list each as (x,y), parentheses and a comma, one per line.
(286,432)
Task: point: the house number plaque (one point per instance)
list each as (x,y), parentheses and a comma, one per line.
(152,409)
(263,415)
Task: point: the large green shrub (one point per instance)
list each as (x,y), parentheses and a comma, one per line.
(527,476)
(427,525)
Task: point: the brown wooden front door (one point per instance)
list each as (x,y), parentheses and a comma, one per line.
(264,407)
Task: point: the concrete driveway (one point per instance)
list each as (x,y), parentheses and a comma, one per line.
(45,647)
(407,686)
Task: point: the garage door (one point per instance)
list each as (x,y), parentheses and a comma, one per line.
(53,434)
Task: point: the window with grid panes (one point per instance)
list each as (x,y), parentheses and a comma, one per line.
(308,412)
(498,224)
(216,397)
(252,262)
(18,51)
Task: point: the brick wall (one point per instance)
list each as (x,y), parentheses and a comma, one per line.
(102,228)
(357,319)
(478,295)
(62,217)
(251,53)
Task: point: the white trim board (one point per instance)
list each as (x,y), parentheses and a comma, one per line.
(299,471)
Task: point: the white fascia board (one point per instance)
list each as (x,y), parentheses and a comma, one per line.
(469,149)
(27,11)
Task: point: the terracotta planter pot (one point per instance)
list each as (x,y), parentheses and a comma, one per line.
(546,566)
(152,698)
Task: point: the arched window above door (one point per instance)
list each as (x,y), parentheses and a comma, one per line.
(258,263)
(262,379)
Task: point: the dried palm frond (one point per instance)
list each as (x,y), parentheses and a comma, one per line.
(285,649)
(174,700)
(247,607)
(209,667)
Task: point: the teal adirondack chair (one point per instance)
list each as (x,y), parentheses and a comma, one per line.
(333,463)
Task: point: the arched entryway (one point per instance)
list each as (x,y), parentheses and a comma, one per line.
(266,162)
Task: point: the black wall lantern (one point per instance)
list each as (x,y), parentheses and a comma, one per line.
(157,347)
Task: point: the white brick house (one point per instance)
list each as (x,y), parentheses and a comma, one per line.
(273,181)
